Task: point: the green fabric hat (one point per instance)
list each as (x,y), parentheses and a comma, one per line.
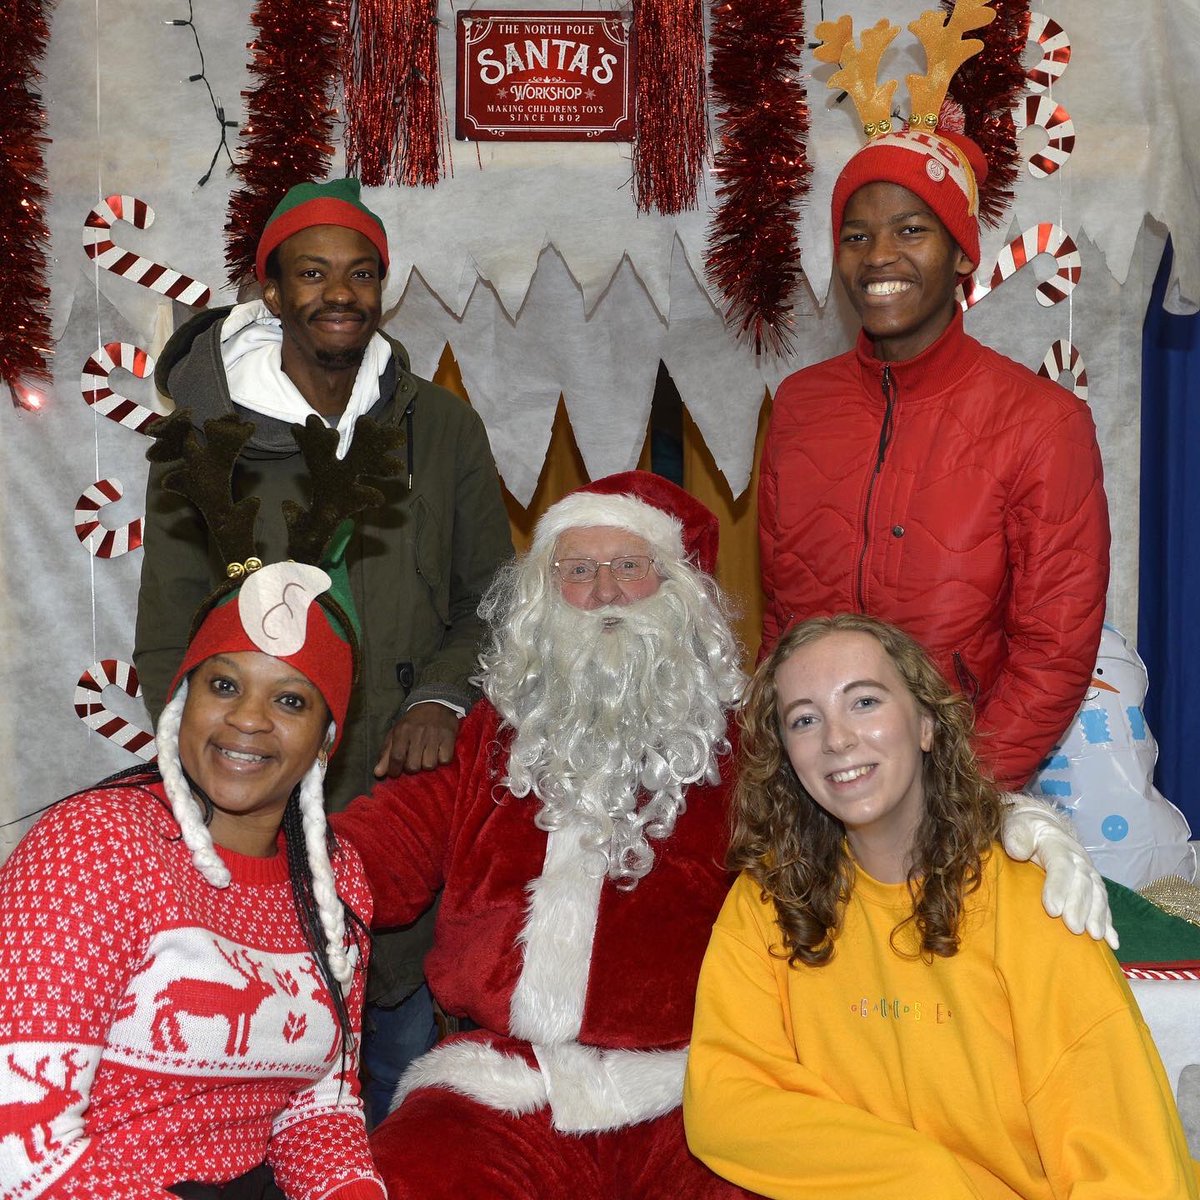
(337,202)
(1150,936)
(345,618)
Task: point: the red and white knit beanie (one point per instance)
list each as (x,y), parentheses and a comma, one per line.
(944,169)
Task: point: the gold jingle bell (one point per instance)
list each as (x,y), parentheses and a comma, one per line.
(237,570)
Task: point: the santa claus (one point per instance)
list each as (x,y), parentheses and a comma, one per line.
(579,840)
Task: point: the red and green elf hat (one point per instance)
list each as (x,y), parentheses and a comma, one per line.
(334,203)
(295,612)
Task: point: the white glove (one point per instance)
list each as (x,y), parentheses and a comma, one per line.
(1074,889)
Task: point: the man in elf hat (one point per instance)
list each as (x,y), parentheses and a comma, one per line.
(579,837)
(922,478)
(418,563)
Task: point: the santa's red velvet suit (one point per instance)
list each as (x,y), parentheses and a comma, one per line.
(582,991)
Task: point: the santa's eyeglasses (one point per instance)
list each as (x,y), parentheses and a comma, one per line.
(629,568)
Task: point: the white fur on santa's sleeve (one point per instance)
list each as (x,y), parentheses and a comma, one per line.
(476,1069)
(592,1089)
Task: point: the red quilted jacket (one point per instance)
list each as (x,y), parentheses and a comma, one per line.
(960,496)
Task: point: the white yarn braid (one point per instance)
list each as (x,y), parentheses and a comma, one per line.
(329,905)
(196,836)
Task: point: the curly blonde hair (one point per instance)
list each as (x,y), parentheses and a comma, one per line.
(797,852)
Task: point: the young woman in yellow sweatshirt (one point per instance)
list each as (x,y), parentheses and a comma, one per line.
(884,1010)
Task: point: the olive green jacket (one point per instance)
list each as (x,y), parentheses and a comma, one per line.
(418,564)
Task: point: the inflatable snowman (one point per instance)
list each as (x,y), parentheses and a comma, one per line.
(1101,775)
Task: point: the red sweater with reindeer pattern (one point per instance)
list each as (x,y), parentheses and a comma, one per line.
(155,1029)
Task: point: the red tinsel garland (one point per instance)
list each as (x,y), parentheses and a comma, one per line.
(393,93)
(987,86)
(24,237)
(287,136)
(762,164)
(672,134)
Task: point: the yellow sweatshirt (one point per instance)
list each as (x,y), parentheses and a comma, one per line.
(1020,1067)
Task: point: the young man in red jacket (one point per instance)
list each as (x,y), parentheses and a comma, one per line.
(931,482)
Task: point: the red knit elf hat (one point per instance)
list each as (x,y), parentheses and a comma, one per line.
(646,504)
(279,610)
(334,203)
(929,155)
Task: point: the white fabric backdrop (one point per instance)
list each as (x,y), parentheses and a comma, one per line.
(532,263)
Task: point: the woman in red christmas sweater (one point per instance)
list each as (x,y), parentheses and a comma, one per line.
(180,954)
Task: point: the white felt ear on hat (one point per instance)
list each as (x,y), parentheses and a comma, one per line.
(273,605)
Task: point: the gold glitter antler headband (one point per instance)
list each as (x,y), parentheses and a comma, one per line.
(945,51)
(860,68)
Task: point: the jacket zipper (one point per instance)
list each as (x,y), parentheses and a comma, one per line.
(409,446)
(967,682)
(888,386)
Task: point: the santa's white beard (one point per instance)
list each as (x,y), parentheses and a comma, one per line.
(609,702)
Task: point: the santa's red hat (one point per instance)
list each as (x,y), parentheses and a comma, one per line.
(646,504)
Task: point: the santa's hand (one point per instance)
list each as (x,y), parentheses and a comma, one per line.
(1074,889)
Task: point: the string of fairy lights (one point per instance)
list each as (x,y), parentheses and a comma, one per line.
(223,123)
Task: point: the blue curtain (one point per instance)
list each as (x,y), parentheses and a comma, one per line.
(1169,568)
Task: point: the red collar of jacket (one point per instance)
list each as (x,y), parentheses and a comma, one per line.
(938,367)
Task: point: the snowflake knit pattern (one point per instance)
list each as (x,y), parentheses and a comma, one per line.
(156,1029)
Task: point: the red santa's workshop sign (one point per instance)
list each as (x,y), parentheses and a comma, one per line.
(544,76)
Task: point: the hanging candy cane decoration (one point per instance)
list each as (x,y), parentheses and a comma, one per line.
(1056,51)
(1040,112)
(109,403)
(1038,239)
(91,710)
(114,542)
(1063,356)
(107,254)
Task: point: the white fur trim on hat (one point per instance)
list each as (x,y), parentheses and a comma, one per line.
(583,510)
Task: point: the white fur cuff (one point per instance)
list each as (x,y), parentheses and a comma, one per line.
(589,1090)
(592,1090)
(478,1070)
